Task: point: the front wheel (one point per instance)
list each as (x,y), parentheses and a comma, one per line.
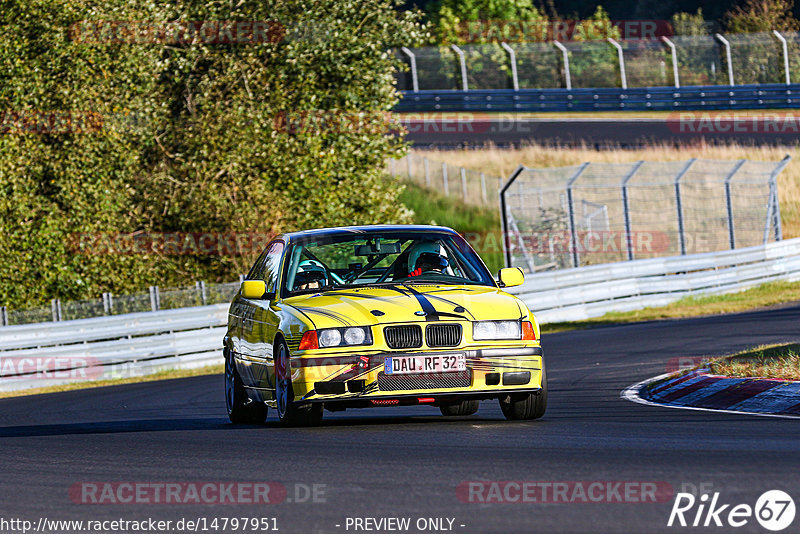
(290,413)
(466,407)
(241,409)
(526,406)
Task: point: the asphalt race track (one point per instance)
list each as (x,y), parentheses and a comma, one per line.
(478,129)
(408,462)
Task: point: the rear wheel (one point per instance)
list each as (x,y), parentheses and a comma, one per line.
(241,409)
(522,406)
(466,407)
(290,413)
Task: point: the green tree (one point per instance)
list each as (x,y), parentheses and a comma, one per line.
(761,16)
(193,135)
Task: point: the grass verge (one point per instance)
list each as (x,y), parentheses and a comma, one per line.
(779,362)
(161,375)
(762,296)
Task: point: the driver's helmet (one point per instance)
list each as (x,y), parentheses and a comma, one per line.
(426,251)
(310,271)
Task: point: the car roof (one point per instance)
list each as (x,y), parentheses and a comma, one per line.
(365,229)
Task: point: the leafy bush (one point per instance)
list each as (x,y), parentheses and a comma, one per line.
(187,136)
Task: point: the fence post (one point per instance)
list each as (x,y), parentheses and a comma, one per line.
(3,316)
(483,189)
(413,60)
(427,172)
(391,168)
(504,213)
(679,207)
(621,57)
(408,164)
(464,184)
(512,59)
(626,209)
(106,307)
(565,57)
(785,48)
(674,54)
(727,56)
(55,309)
(776,205)
(463,62)
(154,300)
(729,203)
(573,232)
(444,179)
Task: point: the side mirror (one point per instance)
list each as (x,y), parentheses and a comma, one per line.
(254,289)
(511,276)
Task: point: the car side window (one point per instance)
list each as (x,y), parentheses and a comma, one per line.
(267,266)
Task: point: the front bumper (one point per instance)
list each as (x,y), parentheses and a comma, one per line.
(490,371)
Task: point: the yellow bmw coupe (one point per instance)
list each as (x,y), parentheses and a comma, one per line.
(379,315)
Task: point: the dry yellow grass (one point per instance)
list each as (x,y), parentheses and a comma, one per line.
(781,362)
(502,162)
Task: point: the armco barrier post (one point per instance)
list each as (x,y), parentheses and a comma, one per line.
(483,188)
(573,232)
(55,308)
(444,179)
(729,202)
(626,209)
(464,184)
(427,172)
(678,205)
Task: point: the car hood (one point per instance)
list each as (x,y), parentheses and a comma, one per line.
(411,303)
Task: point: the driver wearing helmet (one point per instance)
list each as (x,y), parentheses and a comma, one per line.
(310,275)
(427,258)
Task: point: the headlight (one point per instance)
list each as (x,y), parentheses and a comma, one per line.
(483,330)
(336,337)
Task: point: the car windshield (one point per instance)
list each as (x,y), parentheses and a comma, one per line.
(379,258)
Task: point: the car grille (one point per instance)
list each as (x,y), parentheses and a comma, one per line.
(454,379)
(403,337)
(443,335)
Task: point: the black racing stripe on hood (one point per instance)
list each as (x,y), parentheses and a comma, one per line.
(327,313)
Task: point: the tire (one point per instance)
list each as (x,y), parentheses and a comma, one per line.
(525,406)
(466,407)
(241,409)
(290,413)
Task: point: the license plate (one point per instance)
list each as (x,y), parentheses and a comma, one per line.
(439,363)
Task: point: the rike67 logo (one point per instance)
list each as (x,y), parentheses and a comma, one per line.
(774,510)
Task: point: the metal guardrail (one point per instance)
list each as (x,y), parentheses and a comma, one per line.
(586,292)
(142,343)
(703,97)
(123,346)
